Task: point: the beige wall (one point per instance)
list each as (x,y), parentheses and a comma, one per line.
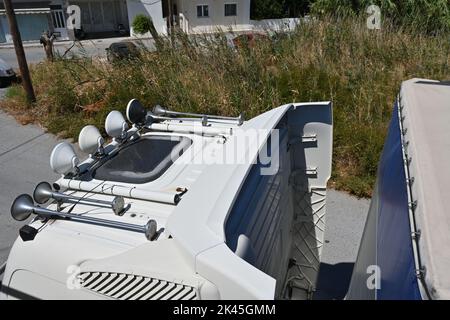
(150,8)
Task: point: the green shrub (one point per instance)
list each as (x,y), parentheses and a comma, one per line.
(142,24)
(13,92)
(428,16)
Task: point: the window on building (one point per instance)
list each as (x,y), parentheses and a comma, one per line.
(230,9)
(203,11)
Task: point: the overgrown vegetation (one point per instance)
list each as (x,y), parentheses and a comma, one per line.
(423,16)
(326,59)
(426,16)
(275,9)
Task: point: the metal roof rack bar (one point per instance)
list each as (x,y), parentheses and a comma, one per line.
(156,196)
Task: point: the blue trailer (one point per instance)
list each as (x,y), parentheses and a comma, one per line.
(403,253)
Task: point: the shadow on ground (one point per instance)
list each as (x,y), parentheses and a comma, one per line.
(333,281)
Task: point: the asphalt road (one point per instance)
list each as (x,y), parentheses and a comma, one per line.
(33,54)
(24,162)
(346,217)
(91,48)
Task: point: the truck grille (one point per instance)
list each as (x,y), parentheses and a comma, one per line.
(132,287)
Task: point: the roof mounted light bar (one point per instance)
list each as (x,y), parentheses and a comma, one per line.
(63,159)
(116,126)
(91,141)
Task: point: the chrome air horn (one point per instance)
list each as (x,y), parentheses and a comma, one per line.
(161,111)
(140,118)
(44,192)
(24,206)
(137,114)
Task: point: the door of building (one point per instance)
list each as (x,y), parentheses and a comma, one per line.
(101,16)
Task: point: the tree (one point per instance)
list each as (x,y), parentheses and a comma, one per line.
(20,53)
(266,9)
(276,9)
(297,8)
(47,41)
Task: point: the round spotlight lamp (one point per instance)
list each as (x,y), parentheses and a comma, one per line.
(90,140)
(63,159)
(136,112)
(115,125)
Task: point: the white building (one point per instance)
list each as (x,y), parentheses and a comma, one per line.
(197,16)
(102,18)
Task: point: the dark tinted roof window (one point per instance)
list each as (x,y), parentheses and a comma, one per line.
(143,161)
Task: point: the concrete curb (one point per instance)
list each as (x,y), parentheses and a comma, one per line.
(66,43)
(34,44)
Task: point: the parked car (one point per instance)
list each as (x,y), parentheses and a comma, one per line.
(121,50)
(7,74)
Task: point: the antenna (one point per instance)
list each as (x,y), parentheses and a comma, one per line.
(44,192)
(91,141)
(23,206)
(63,159)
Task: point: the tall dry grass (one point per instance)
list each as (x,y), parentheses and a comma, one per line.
(340,60)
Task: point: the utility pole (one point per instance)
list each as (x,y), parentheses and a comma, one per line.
(170,16)
(20,53)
